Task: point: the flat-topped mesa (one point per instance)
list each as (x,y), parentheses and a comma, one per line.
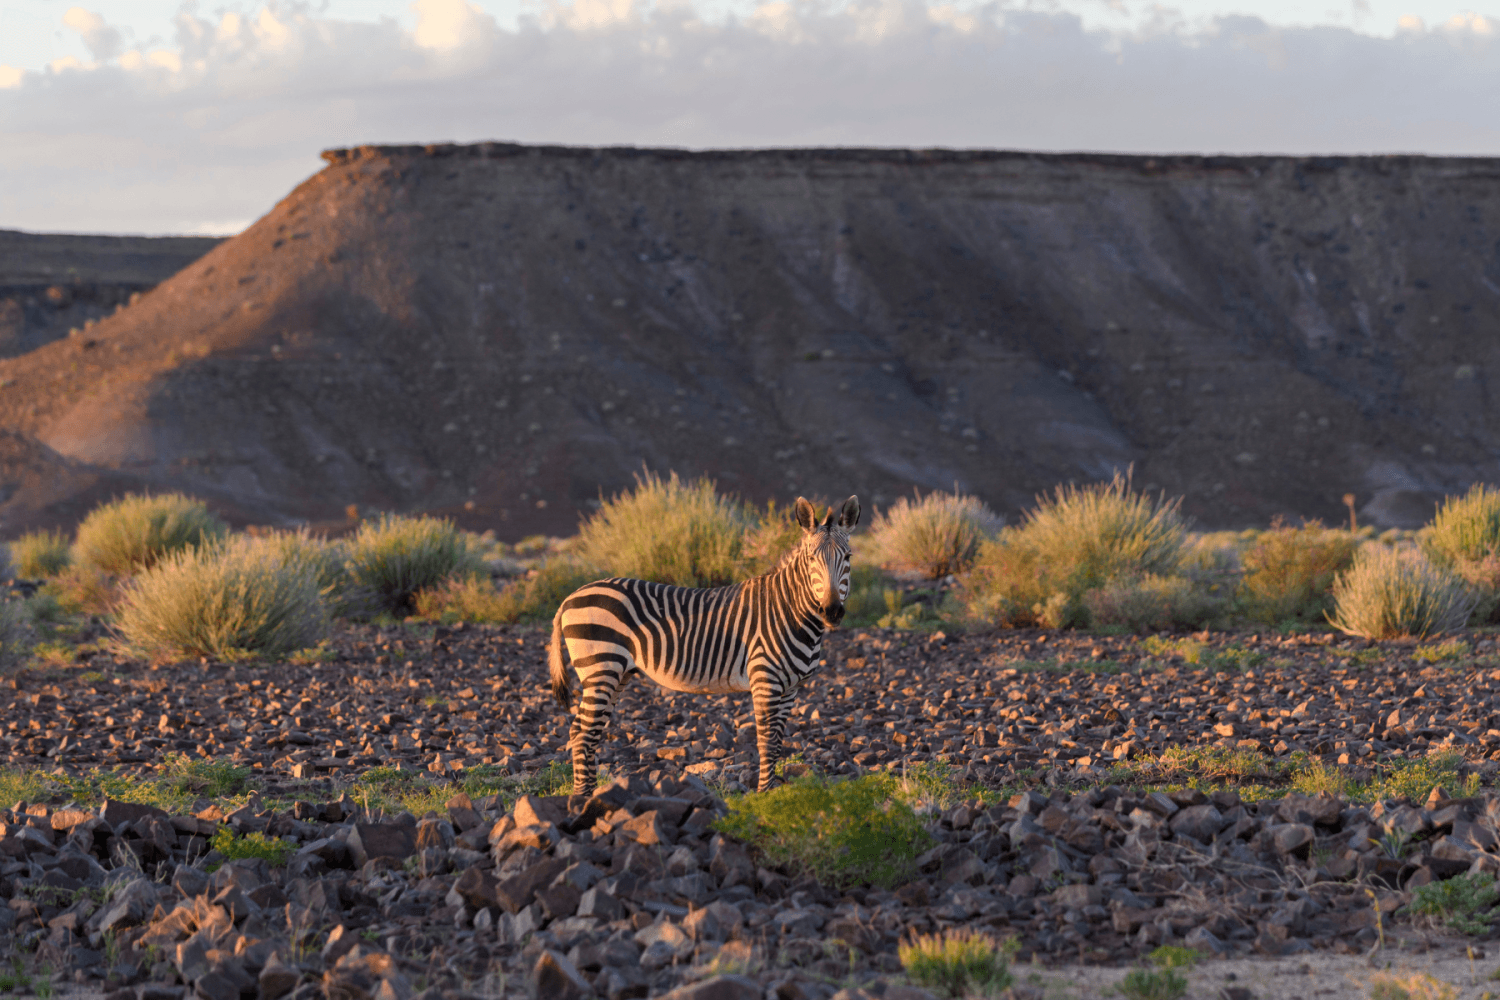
(500,332)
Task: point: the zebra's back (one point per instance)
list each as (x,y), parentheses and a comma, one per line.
(684,639)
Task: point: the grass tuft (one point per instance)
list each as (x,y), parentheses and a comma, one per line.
(842,832)
(669,531)
(1152,984)
(1410,986)
(40,555)
(933,536)
(395,557)
(226,600)
(1441,652)
(1393,593)
(1289,572)
(960,963)
(136,532)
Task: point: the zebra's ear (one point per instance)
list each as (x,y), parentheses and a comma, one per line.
(849,516)
(806,515)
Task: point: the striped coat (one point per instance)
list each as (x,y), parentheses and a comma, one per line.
(763,636)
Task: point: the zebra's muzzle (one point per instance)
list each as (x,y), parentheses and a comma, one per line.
(833,614)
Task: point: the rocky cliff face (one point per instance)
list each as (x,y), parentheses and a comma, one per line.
(503,332)
(50,284)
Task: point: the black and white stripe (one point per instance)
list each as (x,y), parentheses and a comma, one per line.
(763,636)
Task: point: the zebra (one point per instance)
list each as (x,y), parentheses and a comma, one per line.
(763,636)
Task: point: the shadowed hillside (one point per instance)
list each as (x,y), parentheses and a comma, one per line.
(499,332)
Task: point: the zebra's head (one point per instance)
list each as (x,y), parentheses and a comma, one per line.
(824,556)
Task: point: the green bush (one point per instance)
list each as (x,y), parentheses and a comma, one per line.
(133,533)
(960,963)
(40,555)
(1151,602)
(534,598)
(394,557)
(1078,539)
(934,536)
(1289,572)
(1464,537)
(843,832)
(1458,902)
(328,562)
(1389,593)
(227,600)
(670,532)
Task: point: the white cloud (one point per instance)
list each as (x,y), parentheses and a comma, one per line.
(228,116)
(102,41)
(10,76)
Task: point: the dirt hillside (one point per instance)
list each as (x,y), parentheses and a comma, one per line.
(499,332)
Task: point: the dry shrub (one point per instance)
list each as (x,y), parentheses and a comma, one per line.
(133,533)
(772,537)
(669,531)
(16,636)
(1151,602)
(84,590)
(1289,572)
(328,562)
(1078,539)
(394,557)
(534,598)
(1465,537)
(1391,593)
(40,555)
(227,600)
(934,536)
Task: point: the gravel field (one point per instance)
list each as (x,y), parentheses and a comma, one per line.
(632,893)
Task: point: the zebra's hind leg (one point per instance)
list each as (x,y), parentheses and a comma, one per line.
(595,706)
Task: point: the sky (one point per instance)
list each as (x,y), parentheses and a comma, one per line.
(140,116)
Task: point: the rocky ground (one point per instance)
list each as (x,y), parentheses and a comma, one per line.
(1054,841)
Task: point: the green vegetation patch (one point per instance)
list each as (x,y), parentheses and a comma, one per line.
(844,832)
(385,789)
(959,963)
(1465,902)
(1152,984)
(275,853)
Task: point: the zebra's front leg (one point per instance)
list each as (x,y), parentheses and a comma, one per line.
(770,730)
(595,706)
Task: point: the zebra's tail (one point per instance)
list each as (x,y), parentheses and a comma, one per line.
(557,669)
